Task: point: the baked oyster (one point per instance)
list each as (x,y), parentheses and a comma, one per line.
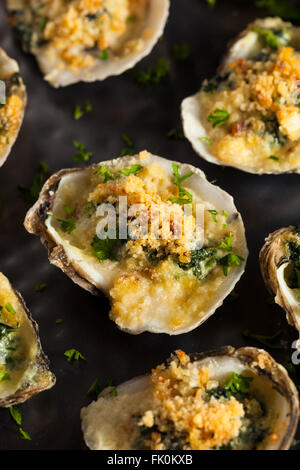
(248,115)
(24,370)
(167,280)
(229,399)
(87,40)
(280,267)
(12,104)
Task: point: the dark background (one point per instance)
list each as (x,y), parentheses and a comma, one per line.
(120,106)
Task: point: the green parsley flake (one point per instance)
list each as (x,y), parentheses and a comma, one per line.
(79,112)
(4,376)
(268,341)
(218,117)
(206,139)
(155,74)
(31,193)
(133,170)
(73,355)
(282,8)
(104,54)
(82,155)
(10,308)
(58,321)
(229,261)
(66,225)
(181,52)
(40,287)
(226,244)
(129,149)
(114,392)
(214,214)
(276,159)
(94,390)
(17,417)
(105,173)
(103,248)
(184,196)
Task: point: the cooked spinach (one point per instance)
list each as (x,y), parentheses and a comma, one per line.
(293,280)
(272,128)
(237,386)
(217,83)
(202,262)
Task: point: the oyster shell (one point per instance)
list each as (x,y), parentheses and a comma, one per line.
(111,37)
(260,134)
(15,94)
(24,370)
(147,289)
(112,422)
(277,266)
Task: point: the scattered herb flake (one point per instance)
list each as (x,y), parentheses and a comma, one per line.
(175,134)
(66,225)
(227,243)
(133,170)
(94,390)
(268,341)
(68,210)
(105,173)
(229,261)
(82,155)
(31,193)
(282,8)
(218,117)
(4,376)
(73,355)
(181,52)
(276,159)
(15,413)
(214,214)
(40,287)
(154,74)
(58,321)
(103,248)
(10,308)
(114,392)
(206,139)
(104,54)
(129,149)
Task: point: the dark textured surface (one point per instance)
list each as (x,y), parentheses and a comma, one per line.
(266,203)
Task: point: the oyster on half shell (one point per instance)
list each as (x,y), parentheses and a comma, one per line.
(12,107)
(165,283)
(248,116)
(280,267)
(233,399)
(87,40)
(24,370)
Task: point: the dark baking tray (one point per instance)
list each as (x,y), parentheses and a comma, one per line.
(266,203)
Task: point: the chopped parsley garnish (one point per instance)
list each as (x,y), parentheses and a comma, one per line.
(206,139)
(211,2)
(58,321)
(154,74)
(40,287)
(103,248)
(274,38)
(129,149)
(218,117)
(10,308)
(94,390)
(31,193)
(181,52)
(105,173)
(104,54)
(89,209)
(79,112)
(268,341)
(15,413)
(184,196)
(282,8)
(4,376)
(236,386)
(73,355)
(224,213)
(226,244)
(66,225)
(82,155)
(214,214)
(276,159)
(229,261)
(68,210)
(133,170)
(114,392)
(175,134)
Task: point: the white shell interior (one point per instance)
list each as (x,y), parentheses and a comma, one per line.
(292,296)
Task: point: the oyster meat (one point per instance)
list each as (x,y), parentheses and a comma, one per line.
(24,370)
(280,267)
(248,116)
(12,104)
(229,399)
(87,40)
(164,282)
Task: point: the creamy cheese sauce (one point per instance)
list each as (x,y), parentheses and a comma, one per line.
(165,280)
(80,33)
(18,346)
(11,111)
(260,128)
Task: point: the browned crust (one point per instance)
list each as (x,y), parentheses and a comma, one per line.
(30,390)
(35,224)
(271,256)
(263,364)
(23,96)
